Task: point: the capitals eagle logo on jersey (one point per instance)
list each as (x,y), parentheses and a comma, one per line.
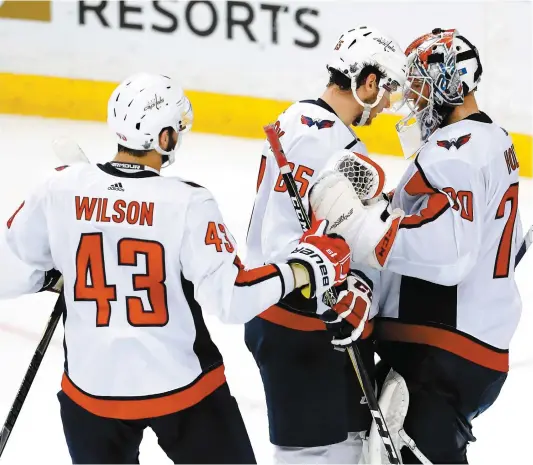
(320,123)
(457,143)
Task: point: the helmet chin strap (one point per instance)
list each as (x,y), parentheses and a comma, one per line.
(367,107)
(168,156)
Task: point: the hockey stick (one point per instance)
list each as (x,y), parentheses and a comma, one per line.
(31,372)
(528,239)
(68,152)
(331,298)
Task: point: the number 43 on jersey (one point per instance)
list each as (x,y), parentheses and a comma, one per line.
(92,285)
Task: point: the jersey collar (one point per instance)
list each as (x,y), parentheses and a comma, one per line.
(480,117)
(128,170)
(321,103)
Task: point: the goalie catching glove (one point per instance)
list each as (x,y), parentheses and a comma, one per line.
(366,228)
(347,319)
(319,262)
(365,175)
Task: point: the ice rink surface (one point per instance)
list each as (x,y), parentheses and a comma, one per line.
(228,167)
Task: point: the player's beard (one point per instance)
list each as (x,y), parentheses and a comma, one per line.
(369,100)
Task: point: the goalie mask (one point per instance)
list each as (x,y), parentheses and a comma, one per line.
(443,67)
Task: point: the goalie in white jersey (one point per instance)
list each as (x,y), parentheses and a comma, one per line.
(449,301)
(142,257)
(289,341)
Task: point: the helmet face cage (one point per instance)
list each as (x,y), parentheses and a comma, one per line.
(414,89)
(421,107)
(433,65)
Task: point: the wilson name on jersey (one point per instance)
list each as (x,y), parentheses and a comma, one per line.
(449,278)
(141,264)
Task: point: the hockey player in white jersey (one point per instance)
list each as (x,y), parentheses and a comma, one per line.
(142,257)
(449,301)
(289,341)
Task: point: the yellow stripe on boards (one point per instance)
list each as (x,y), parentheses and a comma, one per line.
(231,115)
(523,144)
(54,97)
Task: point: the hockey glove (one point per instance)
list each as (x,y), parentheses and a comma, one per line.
(347,319)
(53,281)
(369,230)
(365,175)
(324,260)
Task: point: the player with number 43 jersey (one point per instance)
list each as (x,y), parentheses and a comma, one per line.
(142,258)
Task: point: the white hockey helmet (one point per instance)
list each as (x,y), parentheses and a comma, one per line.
(142,106)
(365,46)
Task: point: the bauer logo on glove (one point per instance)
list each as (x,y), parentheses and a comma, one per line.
(317,258)
(325,259)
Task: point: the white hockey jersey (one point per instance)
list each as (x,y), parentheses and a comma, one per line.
(142,257)
(449,279)
(310,133)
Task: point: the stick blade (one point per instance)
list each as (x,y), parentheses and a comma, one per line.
(277,149)
(4,436)
(68,152)
(528,239)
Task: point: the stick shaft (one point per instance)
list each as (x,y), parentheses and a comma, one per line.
(31,372)
(331,298)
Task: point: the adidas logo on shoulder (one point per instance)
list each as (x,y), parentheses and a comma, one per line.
(116,187)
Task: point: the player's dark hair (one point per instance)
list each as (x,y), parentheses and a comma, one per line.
(343,82)
(367,71)
(132,152)
(336,78)
(140,153)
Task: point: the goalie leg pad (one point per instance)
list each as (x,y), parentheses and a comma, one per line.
(394,403)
